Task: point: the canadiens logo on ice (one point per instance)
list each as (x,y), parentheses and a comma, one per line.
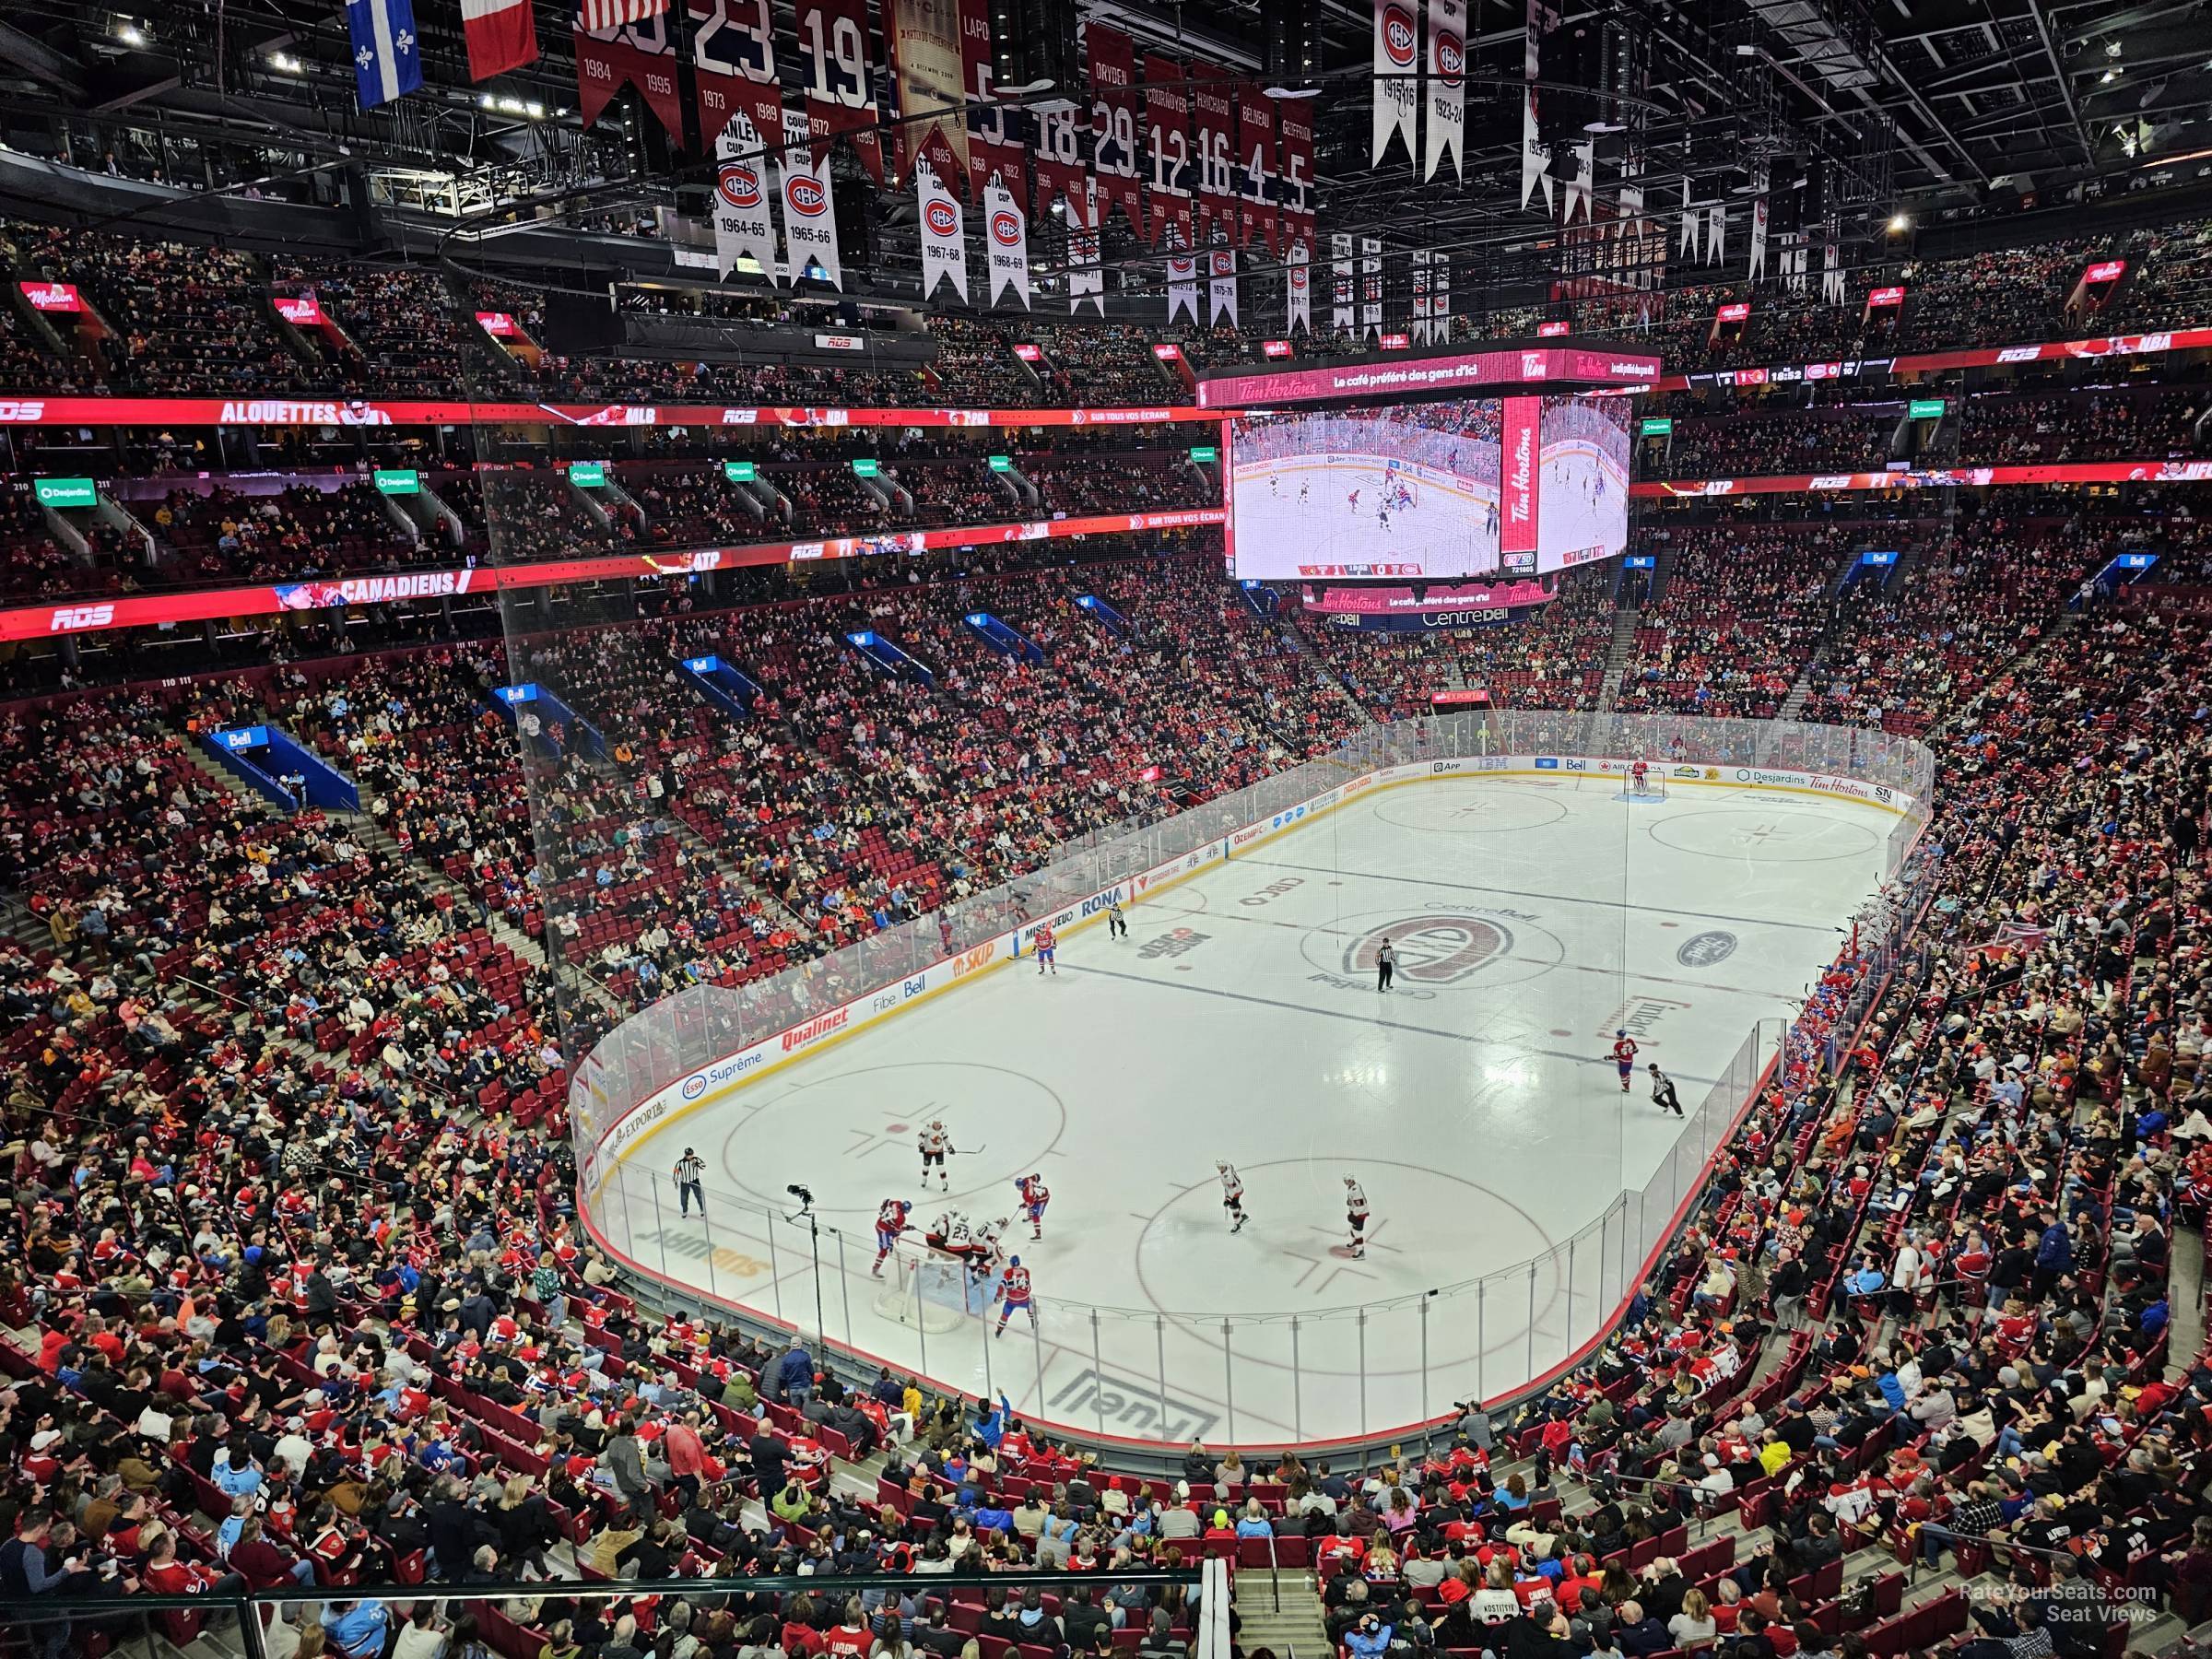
(1440,948)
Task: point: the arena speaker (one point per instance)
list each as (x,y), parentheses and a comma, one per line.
(1570,62)
(1034,51)
(851,204)
(580,323)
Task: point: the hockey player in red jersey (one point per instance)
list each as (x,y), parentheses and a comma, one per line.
(1035,1195)
(1624,1056)
(1014,1292)
(891,1221)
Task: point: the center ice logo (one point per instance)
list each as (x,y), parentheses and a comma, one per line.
(1440,949)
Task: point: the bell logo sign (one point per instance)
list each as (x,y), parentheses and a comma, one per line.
(1398,35)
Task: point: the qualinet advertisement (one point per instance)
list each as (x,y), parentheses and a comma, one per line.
(624,1136)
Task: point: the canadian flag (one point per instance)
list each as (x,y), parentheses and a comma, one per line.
(501,36)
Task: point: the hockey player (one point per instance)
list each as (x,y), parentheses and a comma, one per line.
(1640,773)
(1014,1292)
(1232,1195)
(1624,1056)
(934,1144)
(940,1232)
(1355,1214)
(1048,953)
(985,1254)
(1117,927)
(891,1221)
(1035,1195)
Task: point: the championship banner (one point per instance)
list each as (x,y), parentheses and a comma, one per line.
(1297,292)
(1518,493)
(1222,288)
(1582,188)
(1294,190)
(1114,120)
(642,55)
(1831,269)
(809,222)
(1758,223)
(1183,286)
(944,232)
(1371,284)
(1213,121)
(1255,169)
(1440,298)
(1534,158)
(1167,134)
(1717,234)
(1420,295)
(928,83)
(840,83)
(1006,240)
(1061,170)
(995,146)
(1687,242)
(1086,267)
(743,229)
(1340,282)
(1447,85)
(733,62)
(1397,77)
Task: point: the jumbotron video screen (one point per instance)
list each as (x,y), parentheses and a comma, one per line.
(1471,486)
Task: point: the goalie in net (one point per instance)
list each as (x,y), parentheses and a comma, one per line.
(1644,781)
(930,1289)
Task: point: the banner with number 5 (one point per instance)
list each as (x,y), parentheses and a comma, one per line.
(840,82)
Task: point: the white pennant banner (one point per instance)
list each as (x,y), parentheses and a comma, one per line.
(1297,292)
(944,232)
(1398,75)
(1222,286)
(1340,278)
(809,215)
(1717,234)
(1182,285)
(1831,270)
(1086,274)
(1759,225)
(1447,85)
(1371,285)
(1006,239)
(743,226)
(1580,188)
(1440,298)
(1688,241)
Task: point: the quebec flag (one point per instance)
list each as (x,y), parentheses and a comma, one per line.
(387,55)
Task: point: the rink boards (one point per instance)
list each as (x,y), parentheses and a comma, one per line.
(626,1136)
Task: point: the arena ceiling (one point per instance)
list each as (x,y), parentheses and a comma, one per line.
(1907,105)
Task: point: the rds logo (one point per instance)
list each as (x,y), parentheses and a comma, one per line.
(942,219)
(740,185)
(805,196)
(67,618)
(1450,59)
(1006,226)
(1398,35)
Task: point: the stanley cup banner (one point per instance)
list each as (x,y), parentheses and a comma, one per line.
(1758,224)
(1447,85)
(1167,136)
(1717,234)
(734,66)
(1114,120)
(809,221)
(1831,269)
(1371,285)
(1688,241)
(1420,295)
(1183,286)
(743,228)
(931,84)
(1340,282)
(944,232)
(1535,160)
(1007,236)
(1398,75)
(1297,292)
(1223,287)
(1440,298)
(1086,274)
(841,84)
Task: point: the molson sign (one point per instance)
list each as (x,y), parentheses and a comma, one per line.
(51,296)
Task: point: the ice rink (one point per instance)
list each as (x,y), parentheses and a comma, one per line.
(1574,516)
(1451,529)
(1239,1019)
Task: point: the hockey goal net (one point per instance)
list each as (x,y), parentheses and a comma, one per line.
(1653,788)
(926,1290)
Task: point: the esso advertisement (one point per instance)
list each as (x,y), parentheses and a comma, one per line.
(740,186)
(803,193)
(1399,35)
(943,218)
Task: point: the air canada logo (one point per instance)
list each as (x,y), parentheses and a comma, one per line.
(1398,35)
(740,185)
(1006,226)
(807,195)
(944,221)
(1450,59)
(1440,948)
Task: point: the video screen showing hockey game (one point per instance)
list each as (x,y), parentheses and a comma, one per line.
(1473,487)
(1403,491)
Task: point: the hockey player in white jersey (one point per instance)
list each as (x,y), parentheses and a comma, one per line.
(934,1144)
(1355,1214)
(1232,1195)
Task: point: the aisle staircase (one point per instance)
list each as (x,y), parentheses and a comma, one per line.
(1618,656)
